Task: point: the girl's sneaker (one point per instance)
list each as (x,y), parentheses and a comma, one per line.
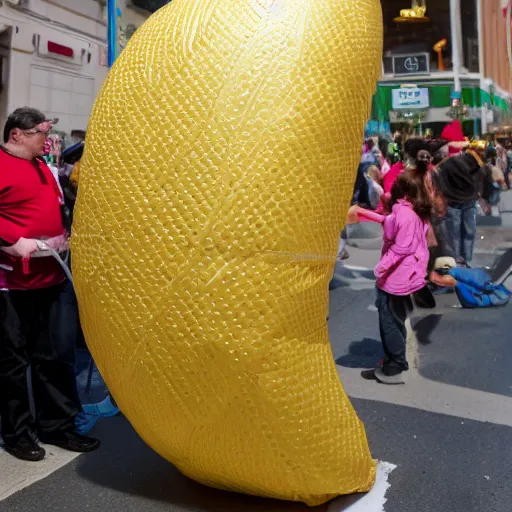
(388,379)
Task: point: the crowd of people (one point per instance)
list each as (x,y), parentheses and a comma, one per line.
(425,193)
(464,176)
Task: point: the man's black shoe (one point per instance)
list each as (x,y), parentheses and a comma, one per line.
(71,441)
(25,448)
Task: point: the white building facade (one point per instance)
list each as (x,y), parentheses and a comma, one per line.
(53,56)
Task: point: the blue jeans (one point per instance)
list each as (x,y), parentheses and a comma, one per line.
(462,228)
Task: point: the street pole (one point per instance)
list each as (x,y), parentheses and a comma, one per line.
(112,32)
(456,41)
(481,63)
(475,121)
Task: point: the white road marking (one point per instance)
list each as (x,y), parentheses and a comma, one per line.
(356,282)
(357,268)
(428,395)
(17,474)
(412,344)
(374,500)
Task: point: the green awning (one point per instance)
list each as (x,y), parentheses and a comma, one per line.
(499,102)
(440,97)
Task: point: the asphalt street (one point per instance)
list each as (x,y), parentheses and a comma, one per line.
(448,430)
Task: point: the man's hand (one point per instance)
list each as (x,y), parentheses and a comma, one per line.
(486,208)
(23,248)
(57,243)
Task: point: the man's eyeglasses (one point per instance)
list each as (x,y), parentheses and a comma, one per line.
(38,132)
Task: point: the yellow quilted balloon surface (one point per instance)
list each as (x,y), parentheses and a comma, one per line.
(219,163)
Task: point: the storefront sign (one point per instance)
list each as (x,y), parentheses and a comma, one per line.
(60,49)
(410,98)
(414,64)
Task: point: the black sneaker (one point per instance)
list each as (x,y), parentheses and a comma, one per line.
(71,441)
(368,374)
(25,448)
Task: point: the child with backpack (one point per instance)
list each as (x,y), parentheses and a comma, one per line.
(401,271)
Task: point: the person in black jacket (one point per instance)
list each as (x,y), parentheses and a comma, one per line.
(462,180)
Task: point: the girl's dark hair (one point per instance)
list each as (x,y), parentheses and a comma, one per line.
(421,168)
(410,186)
(423,159)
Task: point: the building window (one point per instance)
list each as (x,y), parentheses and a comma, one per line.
(420,37)
(470,35)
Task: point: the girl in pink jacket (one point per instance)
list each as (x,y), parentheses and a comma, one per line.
(401,271)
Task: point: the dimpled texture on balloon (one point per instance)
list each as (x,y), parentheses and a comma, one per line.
(219,164)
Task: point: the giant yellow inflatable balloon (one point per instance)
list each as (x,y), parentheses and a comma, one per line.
(219,163)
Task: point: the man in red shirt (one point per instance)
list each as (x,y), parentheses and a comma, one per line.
(33,308)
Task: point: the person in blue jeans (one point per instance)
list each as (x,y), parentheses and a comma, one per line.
(462,229)
(462,180)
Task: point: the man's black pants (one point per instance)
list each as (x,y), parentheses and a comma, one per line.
(38,329)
